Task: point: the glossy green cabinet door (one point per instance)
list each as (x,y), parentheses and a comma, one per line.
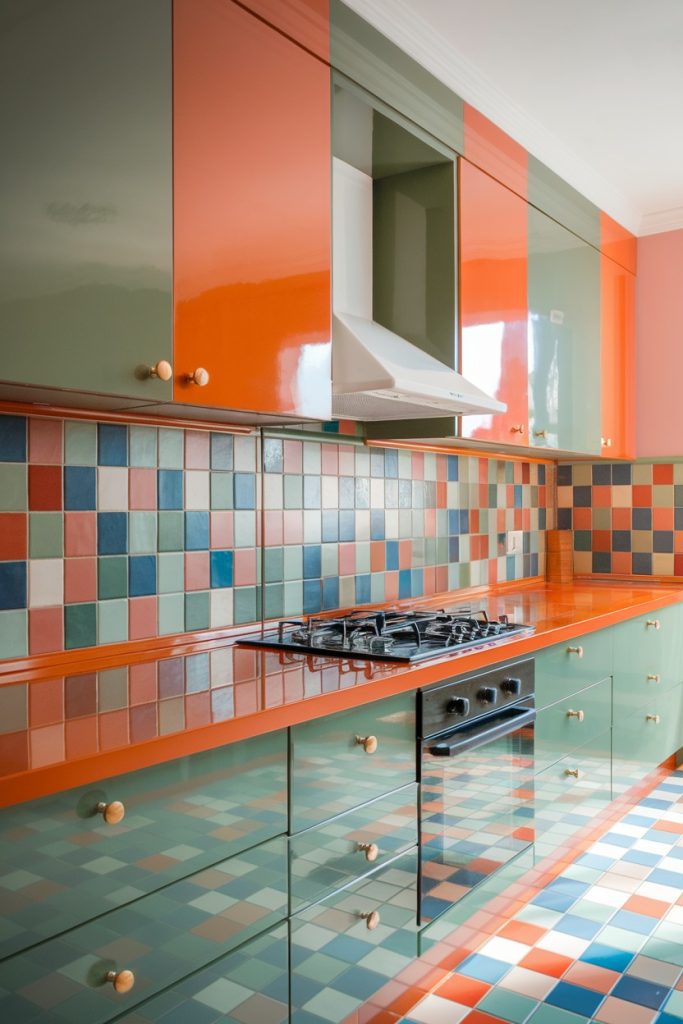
(652,733)
(85,195)
(648,657)
(564,338)
(566,668)
(576,721)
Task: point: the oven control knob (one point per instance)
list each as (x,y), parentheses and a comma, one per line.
(513,687)
(458,706)
(488,695)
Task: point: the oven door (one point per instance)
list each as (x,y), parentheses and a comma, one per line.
(476,804)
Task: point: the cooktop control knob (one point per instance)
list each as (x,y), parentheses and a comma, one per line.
(488,695)
(513,687)
(458,706)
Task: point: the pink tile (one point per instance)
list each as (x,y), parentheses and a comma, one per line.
(142,489)
(244,567)
(197,710)
(391,586)
(293,452)
(142,617)
(329,459)
(222,535)
(45,441)
(429,576)
(418,465)
(14,752)
(45,630)
(619,1011)
(293,526)
(113,727)
(80,580)
(81,737)
(274,528)
(197,449)
(347,460)
(46,702)
(430,522)
(80,534)
(347,559)
(442,467)
(142,683)
(197,575)
(46,745)
(143,722)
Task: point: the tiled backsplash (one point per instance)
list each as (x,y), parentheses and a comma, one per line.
(112,532)
(627,518)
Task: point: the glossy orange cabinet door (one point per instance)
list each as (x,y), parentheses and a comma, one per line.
(490,148)
(617,371)
(251,215)
(618,243)
(493,303)
(306,21)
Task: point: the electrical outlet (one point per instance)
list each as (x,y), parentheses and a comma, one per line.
(513,543)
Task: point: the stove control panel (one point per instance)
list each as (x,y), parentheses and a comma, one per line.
(468,696)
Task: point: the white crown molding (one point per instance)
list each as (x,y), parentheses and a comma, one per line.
(664,220)
(401,22)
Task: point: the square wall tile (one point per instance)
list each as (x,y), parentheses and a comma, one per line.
(13,634)
(12,438)
(80,443)
(13,487)
(171,448)
(46,582)
(171,613)
(143,446)
(80,625)
(13,586)
(80,580)
(44,488)
(80,488)
(45,630)
(13,536)
(171,572)
(112,444)
(112,489)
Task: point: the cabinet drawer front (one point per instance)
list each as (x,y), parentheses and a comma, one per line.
(161,938)
(649,645)
(331,855)
(358,959)
(249,984)
(570,793)
(61,864)
(652,733)
(561,670)
(331,772)
(573,723)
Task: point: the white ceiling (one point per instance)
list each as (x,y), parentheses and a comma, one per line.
(593,88)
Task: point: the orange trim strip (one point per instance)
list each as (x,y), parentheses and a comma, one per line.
(479,453)
(130,416)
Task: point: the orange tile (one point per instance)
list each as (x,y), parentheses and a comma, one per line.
(80,580)
(669,826)
(642,495)
(663,473)
(545,962)
(45,630)
(46,745)
(46,702)
(13,530)
(45,441)
(602,540)
(81,736)
(461,989)
(599,979)
(644,905)
(602,496)
(520,931)
(662,519)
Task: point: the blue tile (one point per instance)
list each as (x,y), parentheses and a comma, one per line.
(377,524)
(640,857)
(362,490)
(518,495)
(485,968)
(221,568)
(363,589)
(405,494)
(564,476)
(330,525)
(391,463)
(112,533)
(12,585)
(80,488)
(578,926)
(170,488)
(112,444)
(347,525)
(607,956)
(464,520)
(576,998)
(392,555)
(416,582)
(272,455)
(453,521)
(221,451)
(452,467)
(312,561)
(554,900)
(347,492)
(641,924)
(404,583)
(142,575)
(311,492)
(668,1018)
(245,490)
(454,549)
(331,592)
(312,597)
(568,886)
(644,993)
(196,531)
(377,462)
(12,439)
(661,877)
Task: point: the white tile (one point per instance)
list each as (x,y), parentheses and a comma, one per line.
(245,454)
(312,451)
(376,493)
(530,983)
(312,526)
(671,864)
(272,490)
(607,897)
(112,489)
(330,492)
(197,489)
(647,846)
(221,608)
(45,582)
(505,949)
(565,945)
(435,1010)
(654,891)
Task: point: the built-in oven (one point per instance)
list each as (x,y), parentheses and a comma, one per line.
(476,737)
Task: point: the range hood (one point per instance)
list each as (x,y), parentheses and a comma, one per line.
(377,374)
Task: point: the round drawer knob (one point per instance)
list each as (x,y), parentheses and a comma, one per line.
(368,743)
(574,772)
(371,919)
(162,370)
(653,718)
(540,433)
(122,981)
(200,377)
(652,677)
(518,428)
(653,624)
(371,851)
(578,651)
(606,442)
(575,714)
(112,813)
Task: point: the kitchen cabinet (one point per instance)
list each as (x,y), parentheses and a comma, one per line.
(565,669)
(307,22)
(575,721)
(617,370)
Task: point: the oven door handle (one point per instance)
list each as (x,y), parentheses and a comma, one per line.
(456,743)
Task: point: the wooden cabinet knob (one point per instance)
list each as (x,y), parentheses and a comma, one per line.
(578,651)
(518,428)
(606,442)
(368,743)
(574,772)
(112,813)
(371,851)
(540,433)
(653,718)
(122,981)
(371,919)
(652,677)
(576,714)
(163,370)
(200,377)
(653,624)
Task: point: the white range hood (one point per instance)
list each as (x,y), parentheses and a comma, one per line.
(376,374)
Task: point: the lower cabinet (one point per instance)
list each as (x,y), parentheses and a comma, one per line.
(647,736)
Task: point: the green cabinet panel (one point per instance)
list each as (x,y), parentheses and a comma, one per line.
(576,721)
(340,954)
(648,657)
(330,856)
(652,733)
(330,770)
(251,984)
(569,794)
(86,207)
(562,670)
(162,938)
(563,338)
(559,200)
(61,865)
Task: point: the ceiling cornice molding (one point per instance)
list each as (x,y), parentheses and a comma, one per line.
(664,220)
(400,22)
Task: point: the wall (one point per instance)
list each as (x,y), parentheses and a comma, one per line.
(111,532)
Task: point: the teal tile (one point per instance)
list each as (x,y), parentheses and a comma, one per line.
(273,564)
(221,490)
(546,1014)
(507,1005)
(80,443)
(377,587)
(221,451)
(171,572)
(112,621)
(329,559)
(112,577)
(171,527)
(244,526)
(14,634)
(143,446)
(293,562)
(142,532)
(80,625)
(246,604)
(13,487)
(294,597)
(274,600)
(171,612)
(197,610)
(46,534)
(293,491)
(171,448)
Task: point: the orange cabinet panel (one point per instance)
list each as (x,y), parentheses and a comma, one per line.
(493,303)
(251,146)
(490,148)
(618,243)
(617,371)
(306,21)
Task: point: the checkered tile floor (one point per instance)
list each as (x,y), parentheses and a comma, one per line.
(601,942)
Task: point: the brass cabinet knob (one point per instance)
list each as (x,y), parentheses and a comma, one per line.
(576,714)
(574,772)
(371,919)
(368,743)
(653,624)
(122,981)
(200,377)
(371,850)
(653,718)
(540,433)
(163,370)
(578,651)
(112,813)
(606,442)
(518,428)
(652,677)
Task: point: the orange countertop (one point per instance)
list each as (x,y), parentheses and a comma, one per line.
(81,727)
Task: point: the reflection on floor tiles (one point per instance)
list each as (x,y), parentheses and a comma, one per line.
(602,941)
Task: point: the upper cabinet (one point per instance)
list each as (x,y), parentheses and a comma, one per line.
(617,328)
(305,21)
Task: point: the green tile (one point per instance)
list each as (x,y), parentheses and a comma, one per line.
(112,621)
(294,597)
(221,490)
(377,587)
(244,526)
(546,1014)
(80,443)
(143,446)
(273,564)
(14,634)
(197,610)
(13,487)
(171,448)
(329,560)
(171,613)
(80,625)
(171,573)
(246,604)
(507,1005)
(294,491)
(171,531)
(668,950)
(598,912)
(274,600)
(46,534)
(142,532)
(622,939)
(112,577)
(293,562)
